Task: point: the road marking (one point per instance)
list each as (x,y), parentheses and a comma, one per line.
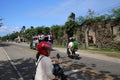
(75,70)
(18,73)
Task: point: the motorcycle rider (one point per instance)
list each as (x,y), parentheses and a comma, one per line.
(44,63)
(70,47)
(43,39)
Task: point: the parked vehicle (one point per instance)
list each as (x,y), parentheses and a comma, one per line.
(34,42)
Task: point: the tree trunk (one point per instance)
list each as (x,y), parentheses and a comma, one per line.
(86,37)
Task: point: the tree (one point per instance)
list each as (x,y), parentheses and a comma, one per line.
(55,29)
(88,23)
(40,29)
(58,31)
(71,17)
(116,16)
(91,14)
(13,35)
(71,25)
(116,13)
(80,20)
(22,32)
(46,30)
(30,32)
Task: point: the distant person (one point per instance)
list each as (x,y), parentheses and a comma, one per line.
(50,37)
(70,46)
(42,36)
(43,39)
(75,47)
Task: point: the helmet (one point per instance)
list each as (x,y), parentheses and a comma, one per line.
(42,48)
(71,38)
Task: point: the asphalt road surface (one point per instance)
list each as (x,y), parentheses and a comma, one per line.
(17,63)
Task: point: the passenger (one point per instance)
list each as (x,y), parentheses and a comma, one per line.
(70,47)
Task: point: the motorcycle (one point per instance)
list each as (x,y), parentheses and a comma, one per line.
(58,71)
(75,54)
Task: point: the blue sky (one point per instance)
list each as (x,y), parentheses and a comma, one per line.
(18,13)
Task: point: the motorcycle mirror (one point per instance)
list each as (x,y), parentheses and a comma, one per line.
(58,56)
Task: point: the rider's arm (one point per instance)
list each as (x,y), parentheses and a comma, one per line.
(49,68)
(70,45)
(70,51)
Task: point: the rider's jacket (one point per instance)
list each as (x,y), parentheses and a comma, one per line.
(44,69)
(70,45)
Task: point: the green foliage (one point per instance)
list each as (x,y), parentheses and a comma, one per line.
(13,35)
(116,16)
(10,36)
(80,20)
(4,38)
(100,18)
(72,16)
(29,33)
(40,29)
(46,30)
(113,36)
(116,13)
(56,30)
(71,27)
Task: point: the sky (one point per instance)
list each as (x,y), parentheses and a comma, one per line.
(19,13)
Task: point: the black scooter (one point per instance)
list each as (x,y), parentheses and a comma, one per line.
(58,71)
(75,54)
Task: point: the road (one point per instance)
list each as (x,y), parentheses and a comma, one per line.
(17,63)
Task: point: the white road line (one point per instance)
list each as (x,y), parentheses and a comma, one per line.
(18,73)
(75,70)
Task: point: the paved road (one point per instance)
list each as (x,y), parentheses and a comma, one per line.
(6,70)
(97,63)
(16,62)
(90,61)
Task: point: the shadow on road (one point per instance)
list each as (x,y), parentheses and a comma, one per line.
(3,44)
(25,67)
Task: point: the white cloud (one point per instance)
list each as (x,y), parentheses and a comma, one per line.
(8,30)
(3,28)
